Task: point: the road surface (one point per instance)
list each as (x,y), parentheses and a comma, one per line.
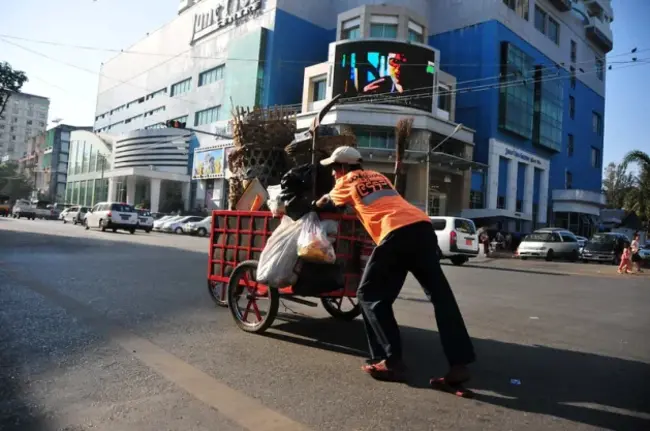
(104,331)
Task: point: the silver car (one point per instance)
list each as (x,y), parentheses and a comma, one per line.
(550,243)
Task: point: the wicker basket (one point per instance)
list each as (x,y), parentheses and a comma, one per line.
(300,152)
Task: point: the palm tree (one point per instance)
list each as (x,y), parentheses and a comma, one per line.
(638,199)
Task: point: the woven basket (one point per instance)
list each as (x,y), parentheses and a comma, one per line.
(300,152)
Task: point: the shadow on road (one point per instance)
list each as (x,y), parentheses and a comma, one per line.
(581,387)
(500,268)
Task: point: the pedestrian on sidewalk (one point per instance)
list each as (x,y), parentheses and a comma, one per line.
(484,237)
(406,242)
(634,250)
(625,260)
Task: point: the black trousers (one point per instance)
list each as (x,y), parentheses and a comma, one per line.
(412,248)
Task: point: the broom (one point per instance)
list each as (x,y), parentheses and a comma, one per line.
(402,131)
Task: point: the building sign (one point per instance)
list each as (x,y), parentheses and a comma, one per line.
(392,73)
(523,156)
(208,164)
(226,13)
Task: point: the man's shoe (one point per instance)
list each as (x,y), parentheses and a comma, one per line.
(384,372)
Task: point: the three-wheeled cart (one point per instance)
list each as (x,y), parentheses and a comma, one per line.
(236,242)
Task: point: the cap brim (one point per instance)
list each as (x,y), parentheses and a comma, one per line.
(328,161)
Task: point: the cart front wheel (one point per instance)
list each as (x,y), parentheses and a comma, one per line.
(253,306)
(218,293)
(344,308)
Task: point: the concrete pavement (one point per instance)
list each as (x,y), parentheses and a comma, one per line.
(116,332)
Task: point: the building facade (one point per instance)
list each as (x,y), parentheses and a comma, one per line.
(90,158)
(525,78)
(24,116)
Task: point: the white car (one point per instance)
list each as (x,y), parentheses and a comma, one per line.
(549,243)
(75,214)
(158,224)
(145,220)
(64,212)
(457,238)
(176,226)
(112,215)
(200,228)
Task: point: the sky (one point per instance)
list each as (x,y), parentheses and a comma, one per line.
(70,76)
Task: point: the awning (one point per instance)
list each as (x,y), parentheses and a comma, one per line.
(494,213)
(455,162)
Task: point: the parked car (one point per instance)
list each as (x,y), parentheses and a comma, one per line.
(23,208)
(145,220)
(112,215)
(605,247)
(5,206)
(200,228)
(457,238)
(176,225)
(64,212)
(581,243)
(75,215)
(644,252)
(549,243)
(158,224)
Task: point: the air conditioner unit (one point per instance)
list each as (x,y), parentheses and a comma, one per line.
(185,5)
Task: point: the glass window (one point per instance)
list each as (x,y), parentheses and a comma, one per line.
(212,75)
(549,110)
(351,33)
(501,202)
(597,123)
(573,77)
(520,7)
(444,98)
(572,107)
(382,139)
(207,116)
(568,180)
(569,145)
(516,94)
(568,238)
(600,68)
(182,119)
(181,87)
(539,237)
(438,223)
(415,36)
(574,51)
(553,30)
(388,31)
(319,88)
(464,226)
(540,19)
(595,157)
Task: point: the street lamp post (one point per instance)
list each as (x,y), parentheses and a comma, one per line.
(429,152)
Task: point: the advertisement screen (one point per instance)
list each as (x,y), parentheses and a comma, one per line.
(208,164)
(393,73)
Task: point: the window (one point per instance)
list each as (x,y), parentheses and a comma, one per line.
(520,7)
(548,110)
(476,199)
(210,76)
(375,138)
(597,123)
(574,51)
(156,94)
(351,29)
(553,30)
(568,180)
(600,68)
(569,145)
(595,157)
(207,116)
(572,107)
(516,98)
(566,237)
(319,87)
(416,32)
(519,206)
(181,87)
(439,224)
(547,25)
(573,77)
(464,226)
(388,31)
(501,202)
(182,119)
(540,19)
(444,98)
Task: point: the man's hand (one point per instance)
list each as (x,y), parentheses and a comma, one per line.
(323,201)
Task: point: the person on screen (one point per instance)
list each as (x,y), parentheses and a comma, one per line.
(392,83)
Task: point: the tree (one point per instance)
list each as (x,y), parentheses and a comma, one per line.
(638,199)
(617,184)
(12,183)
(11,81)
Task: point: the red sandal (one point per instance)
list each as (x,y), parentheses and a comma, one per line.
(383,372)
(455,388)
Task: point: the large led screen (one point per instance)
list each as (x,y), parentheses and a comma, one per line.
(393,73)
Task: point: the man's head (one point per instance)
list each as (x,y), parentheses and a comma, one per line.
(343,160)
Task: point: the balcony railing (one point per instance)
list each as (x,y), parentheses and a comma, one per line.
(562,5)
(600,34)
(596,7)
(576,195)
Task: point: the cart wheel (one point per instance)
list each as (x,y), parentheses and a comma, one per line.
(218,293)
(344,308)
(245,299)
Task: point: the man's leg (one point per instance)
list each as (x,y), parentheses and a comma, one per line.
(381,283)
(426,268)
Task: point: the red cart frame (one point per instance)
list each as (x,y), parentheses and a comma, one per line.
(237,239)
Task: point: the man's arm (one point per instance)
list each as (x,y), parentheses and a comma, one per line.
(325,203)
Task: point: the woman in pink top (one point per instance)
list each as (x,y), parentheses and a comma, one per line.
(625,260)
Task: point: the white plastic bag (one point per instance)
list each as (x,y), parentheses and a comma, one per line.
(313,244)
(331,228)
(280,255)
(275,204)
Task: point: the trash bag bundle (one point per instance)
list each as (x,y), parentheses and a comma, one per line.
(280,255)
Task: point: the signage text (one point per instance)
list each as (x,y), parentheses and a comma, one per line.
(228,12)
(523,156)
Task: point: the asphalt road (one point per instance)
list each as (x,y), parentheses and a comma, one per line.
(103,331)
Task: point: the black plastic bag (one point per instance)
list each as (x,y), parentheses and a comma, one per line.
(317,278)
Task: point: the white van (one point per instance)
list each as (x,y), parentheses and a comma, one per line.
(112,215)
(457,238)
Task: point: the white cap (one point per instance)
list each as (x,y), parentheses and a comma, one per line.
(344,156)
